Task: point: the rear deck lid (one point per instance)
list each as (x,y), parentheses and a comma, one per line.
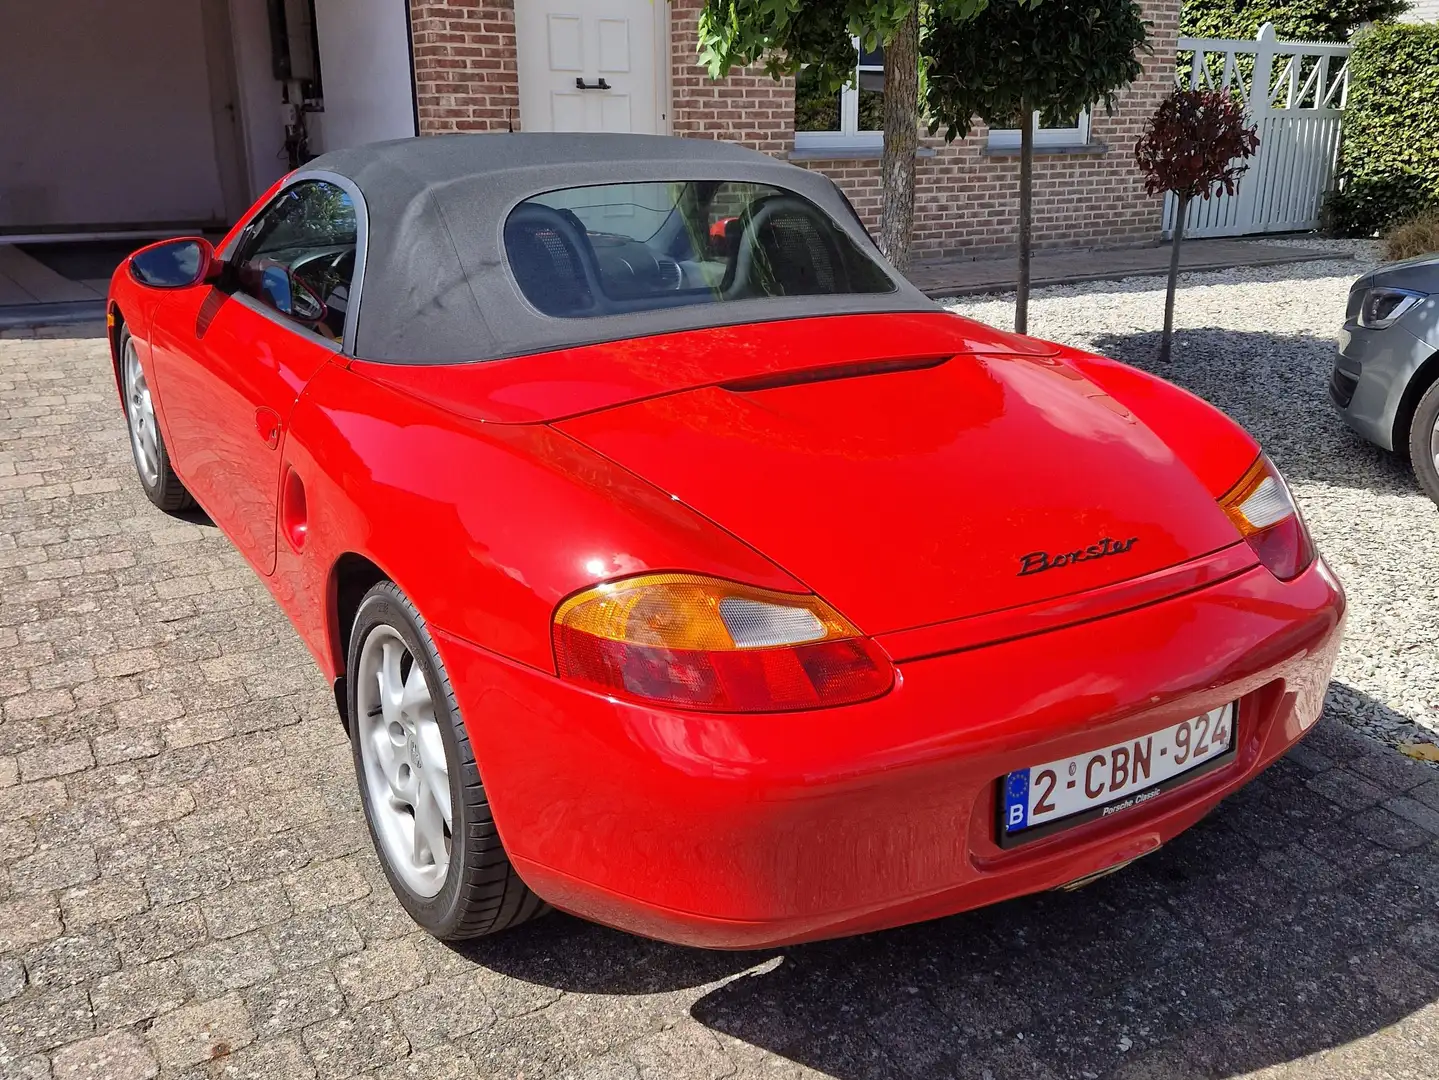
(915,496)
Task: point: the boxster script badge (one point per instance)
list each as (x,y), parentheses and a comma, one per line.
(1038,561)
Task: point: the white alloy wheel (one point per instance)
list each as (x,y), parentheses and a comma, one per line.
(140,412)
(404,765)
(1434,443)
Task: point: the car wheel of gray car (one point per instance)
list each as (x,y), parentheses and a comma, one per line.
(1424,442)
(420,787)
(152,460)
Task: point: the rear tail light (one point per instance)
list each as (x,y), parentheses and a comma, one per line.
(703,643)
(1264,513)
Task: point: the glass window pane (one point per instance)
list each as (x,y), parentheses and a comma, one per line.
(615,248)
(1069,122)
(871,106)
(298,256)
(814,110)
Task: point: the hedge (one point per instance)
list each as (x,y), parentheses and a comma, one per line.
(1296,20)
(1389,164)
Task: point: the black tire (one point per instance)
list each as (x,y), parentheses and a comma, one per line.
(482,894)
(1422,442)
(163,488)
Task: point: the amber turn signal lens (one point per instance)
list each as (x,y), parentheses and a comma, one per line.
(1265,514)
(704,643)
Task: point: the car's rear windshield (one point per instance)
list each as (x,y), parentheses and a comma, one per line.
(614,248)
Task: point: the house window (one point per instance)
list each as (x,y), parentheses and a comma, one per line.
(1074,133)
(850,118)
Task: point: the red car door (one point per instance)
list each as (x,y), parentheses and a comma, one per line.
(231,360)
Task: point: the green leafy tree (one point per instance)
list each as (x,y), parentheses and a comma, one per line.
(1195,144)
(817,35)
(1013,60)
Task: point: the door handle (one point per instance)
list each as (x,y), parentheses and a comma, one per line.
(267,424)
(580,84)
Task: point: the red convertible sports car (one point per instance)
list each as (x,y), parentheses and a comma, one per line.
(678,564)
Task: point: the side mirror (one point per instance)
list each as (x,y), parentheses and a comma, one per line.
(174,264)
(290,296)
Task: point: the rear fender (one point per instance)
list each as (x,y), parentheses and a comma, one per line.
(486,527)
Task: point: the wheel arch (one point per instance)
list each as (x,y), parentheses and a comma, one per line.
(115,318)
(351,577)
(1424,377)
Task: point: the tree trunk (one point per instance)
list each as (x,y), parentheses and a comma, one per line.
(901,140)
(1026,199)
(1181,212)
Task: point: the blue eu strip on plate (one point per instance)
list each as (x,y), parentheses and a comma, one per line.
(1016,800)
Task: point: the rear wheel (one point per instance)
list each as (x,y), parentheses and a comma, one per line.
(1424,442)
(419,785)
(152,461)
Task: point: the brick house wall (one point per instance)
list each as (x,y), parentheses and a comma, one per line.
(966,198)
(466,69)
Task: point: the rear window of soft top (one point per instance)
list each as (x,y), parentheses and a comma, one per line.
(615,248)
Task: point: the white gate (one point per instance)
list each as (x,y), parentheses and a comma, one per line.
(1295,94)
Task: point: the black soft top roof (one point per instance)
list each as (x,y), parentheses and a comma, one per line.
(435,286)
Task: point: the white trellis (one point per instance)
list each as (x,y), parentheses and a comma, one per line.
(1295,93)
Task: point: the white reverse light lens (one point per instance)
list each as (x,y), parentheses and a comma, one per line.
(757,625)
(1269,505)
(1384,307)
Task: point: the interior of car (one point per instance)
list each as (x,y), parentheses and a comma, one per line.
(616,248)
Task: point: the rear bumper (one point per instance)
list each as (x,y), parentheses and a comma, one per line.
(737,832)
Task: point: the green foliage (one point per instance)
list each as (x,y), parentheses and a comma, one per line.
(1389,167)
(1294,20)
(787,35)
(1195,143)
(1057,58)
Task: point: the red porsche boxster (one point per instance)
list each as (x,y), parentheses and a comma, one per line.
(679,565)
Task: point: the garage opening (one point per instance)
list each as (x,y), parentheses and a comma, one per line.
(131,120)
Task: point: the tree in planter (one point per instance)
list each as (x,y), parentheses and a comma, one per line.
(1195,143)
(1012,61)
(818,35)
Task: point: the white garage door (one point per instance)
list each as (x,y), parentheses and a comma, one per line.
(592,65)
(108,117)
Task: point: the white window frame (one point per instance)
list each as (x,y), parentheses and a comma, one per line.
(849,136)
(1008,138)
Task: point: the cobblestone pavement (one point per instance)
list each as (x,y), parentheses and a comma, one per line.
(187,888)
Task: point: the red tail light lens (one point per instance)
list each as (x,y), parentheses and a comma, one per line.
(703,643)
(1264,512)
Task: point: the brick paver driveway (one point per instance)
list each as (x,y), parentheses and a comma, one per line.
(187,887)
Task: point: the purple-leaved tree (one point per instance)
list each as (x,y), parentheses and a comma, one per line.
(1196,143)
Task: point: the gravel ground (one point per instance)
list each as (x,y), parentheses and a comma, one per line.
(1259,343)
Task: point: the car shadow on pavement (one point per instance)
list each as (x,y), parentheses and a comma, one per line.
(1299,917)
(1277,387)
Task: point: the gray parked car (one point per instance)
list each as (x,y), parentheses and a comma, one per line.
(1386,377)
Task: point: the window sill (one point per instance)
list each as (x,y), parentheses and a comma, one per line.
(1047,151)
(847,153)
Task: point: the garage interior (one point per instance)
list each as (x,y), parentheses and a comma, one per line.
(131,120)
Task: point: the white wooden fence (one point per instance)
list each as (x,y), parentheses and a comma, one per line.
(1295,94)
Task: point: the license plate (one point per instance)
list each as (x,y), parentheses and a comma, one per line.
(1060,794)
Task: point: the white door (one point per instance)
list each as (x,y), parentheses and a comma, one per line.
(592,65)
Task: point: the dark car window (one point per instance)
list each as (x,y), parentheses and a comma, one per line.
(614,248)
(298,256)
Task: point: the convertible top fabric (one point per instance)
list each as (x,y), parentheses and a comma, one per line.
(436,287)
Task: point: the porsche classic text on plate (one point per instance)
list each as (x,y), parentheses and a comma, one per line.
(1042,798)
(649,525)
